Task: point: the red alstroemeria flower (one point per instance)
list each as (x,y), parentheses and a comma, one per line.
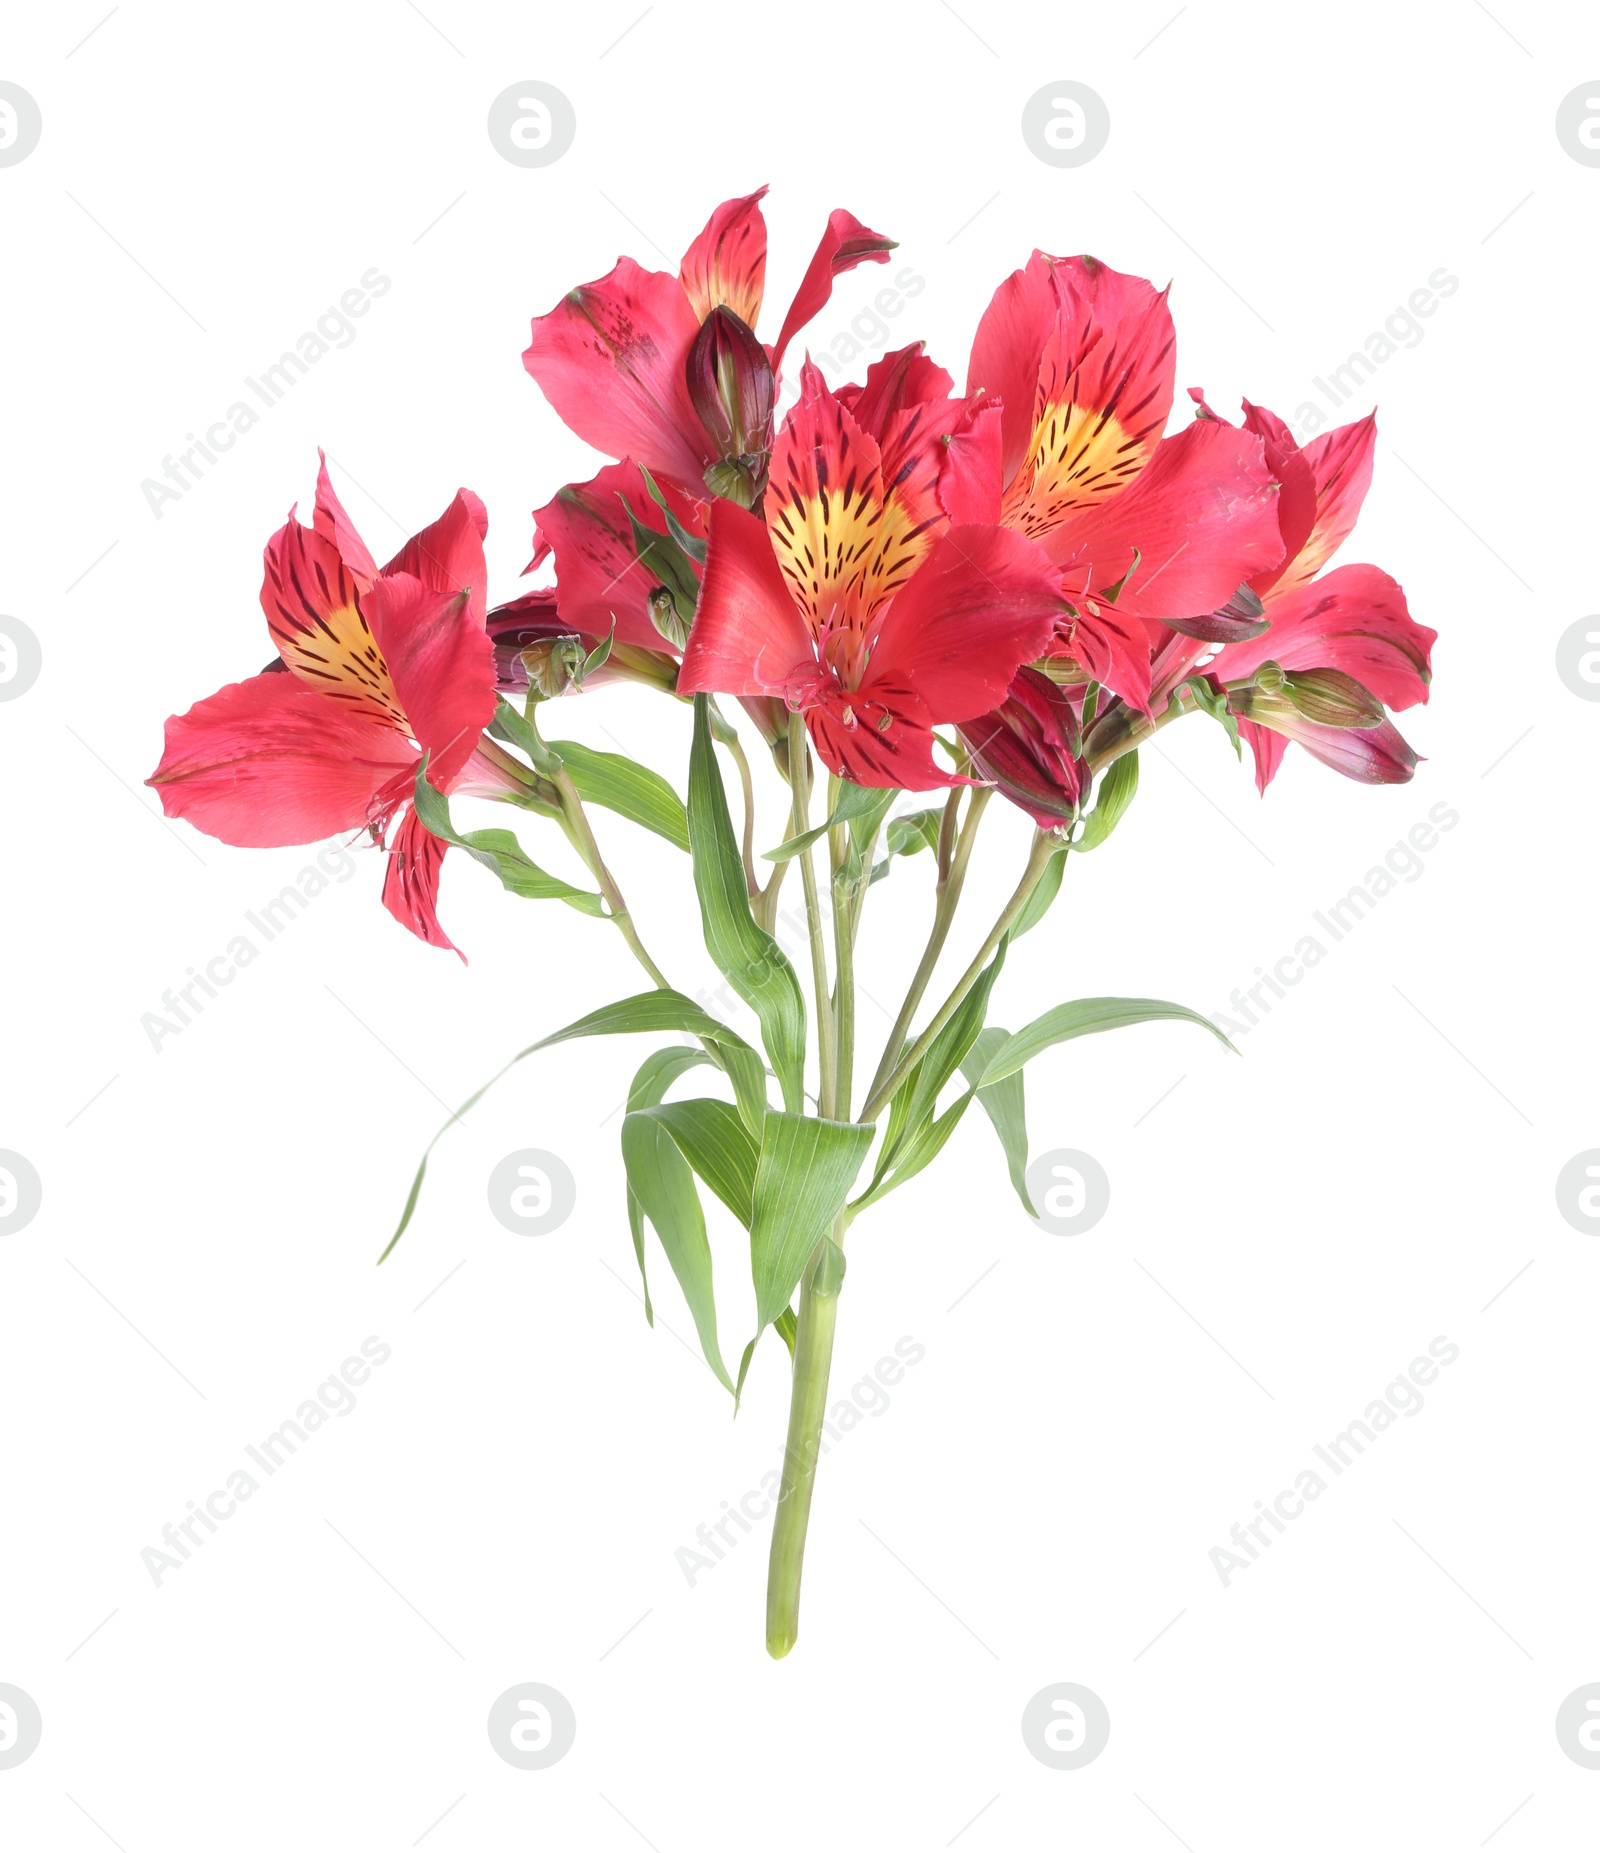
(614,356)
(1080,360)
(1353,619)
(377,667)
(853,600)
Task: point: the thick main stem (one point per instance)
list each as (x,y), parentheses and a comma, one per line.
(813,1356)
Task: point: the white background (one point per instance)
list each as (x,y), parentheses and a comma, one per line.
(1287,1231)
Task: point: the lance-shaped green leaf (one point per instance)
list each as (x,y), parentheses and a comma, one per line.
(668,563)
(746,954)
(855,801)
(499,851)
(663,1186)
(805,1172)
(1087,1016)
(945,1055)
(1118,783)
(918,1153)
(690,543)
(620,784)
(656,1074)
(713,1139)
(1003,1101)
(649,1011)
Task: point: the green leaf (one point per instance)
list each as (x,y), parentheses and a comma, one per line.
(649,1011)
(667,562)
(499,851)
(620,784)
(747,956)
(656,1074)
(712,1137)
(806,1169)
(691,544)
(1002,1100)
(1117,786)
(919,1153)
(1213,702)
(599,655)
(916,830)
(1039,903)
(784,1325)
(855,801)
(509,725)
(663,1186)
(949,1048)
(1087,1016)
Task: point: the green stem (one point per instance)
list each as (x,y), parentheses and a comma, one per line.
(954,855)
(582,837)
(1044,846)
(813,1356)
(845,903)
(799,823)
(747,847)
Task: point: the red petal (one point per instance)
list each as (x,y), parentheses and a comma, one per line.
(846,533)
(1268,749)
(748,636)
(334,524)
(598,575)
(411,882)
(443,667)
(897,382)
(1114,646)
(1202,514)
(314,612)
(973,479)
(899,756)
(271,761)
(727,263)
(610,357)
(1007,349)
(448,556)
(846,243)
(985,601)
(1355,619)
(1341,466)
(1102,395)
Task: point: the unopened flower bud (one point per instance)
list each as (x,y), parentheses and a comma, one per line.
(664,615)
(1326,697)
(732,388)
(554,664)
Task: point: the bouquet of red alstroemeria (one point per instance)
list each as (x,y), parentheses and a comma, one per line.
(1032,566)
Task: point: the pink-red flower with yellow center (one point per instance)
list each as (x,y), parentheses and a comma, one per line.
(667,370)
(1070,385)
(855,600)
(376,667)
